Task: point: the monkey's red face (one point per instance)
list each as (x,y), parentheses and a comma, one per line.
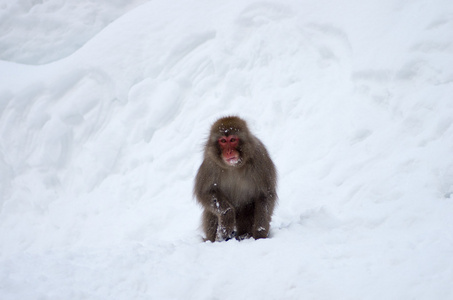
(228,145)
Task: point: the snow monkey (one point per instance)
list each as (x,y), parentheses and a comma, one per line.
(236,183)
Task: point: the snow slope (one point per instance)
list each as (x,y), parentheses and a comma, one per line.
(104,109)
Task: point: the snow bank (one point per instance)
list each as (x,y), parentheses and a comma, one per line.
(103,114)
(39,32)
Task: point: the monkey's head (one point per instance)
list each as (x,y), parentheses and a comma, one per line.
(229,142)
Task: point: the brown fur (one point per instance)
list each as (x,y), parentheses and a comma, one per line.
(238,201)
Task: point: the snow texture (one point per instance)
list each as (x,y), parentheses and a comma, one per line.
(105,106)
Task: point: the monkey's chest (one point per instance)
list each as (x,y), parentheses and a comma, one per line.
(238,189)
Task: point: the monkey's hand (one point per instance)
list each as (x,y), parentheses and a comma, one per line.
(260,233)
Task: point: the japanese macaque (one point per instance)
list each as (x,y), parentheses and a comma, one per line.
(236,183)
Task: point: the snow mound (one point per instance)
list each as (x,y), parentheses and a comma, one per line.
(104,109)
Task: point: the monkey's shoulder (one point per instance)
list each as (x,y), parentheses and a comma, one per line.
(261,161)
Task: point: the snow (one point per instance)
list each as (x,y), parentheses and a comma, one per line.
(105,106)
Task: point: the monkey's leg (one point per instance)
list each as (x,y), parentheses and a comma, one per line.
(210,224)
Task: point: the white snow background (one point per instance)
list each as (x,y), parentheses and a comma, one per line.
(105,106)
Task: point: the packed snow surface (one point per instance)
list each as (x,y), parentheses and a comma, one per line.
(105,106)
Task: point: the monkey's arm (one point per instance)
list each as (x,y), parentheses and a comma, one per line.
(208,191)
(215,203)
(264,208)
(213,200)
(264,205)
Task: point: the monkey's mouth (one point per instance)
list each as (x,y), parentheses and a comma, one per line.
(232,161)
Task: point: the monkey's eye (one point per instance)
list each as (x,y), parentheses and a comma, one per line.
(233,140)
(223,141)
